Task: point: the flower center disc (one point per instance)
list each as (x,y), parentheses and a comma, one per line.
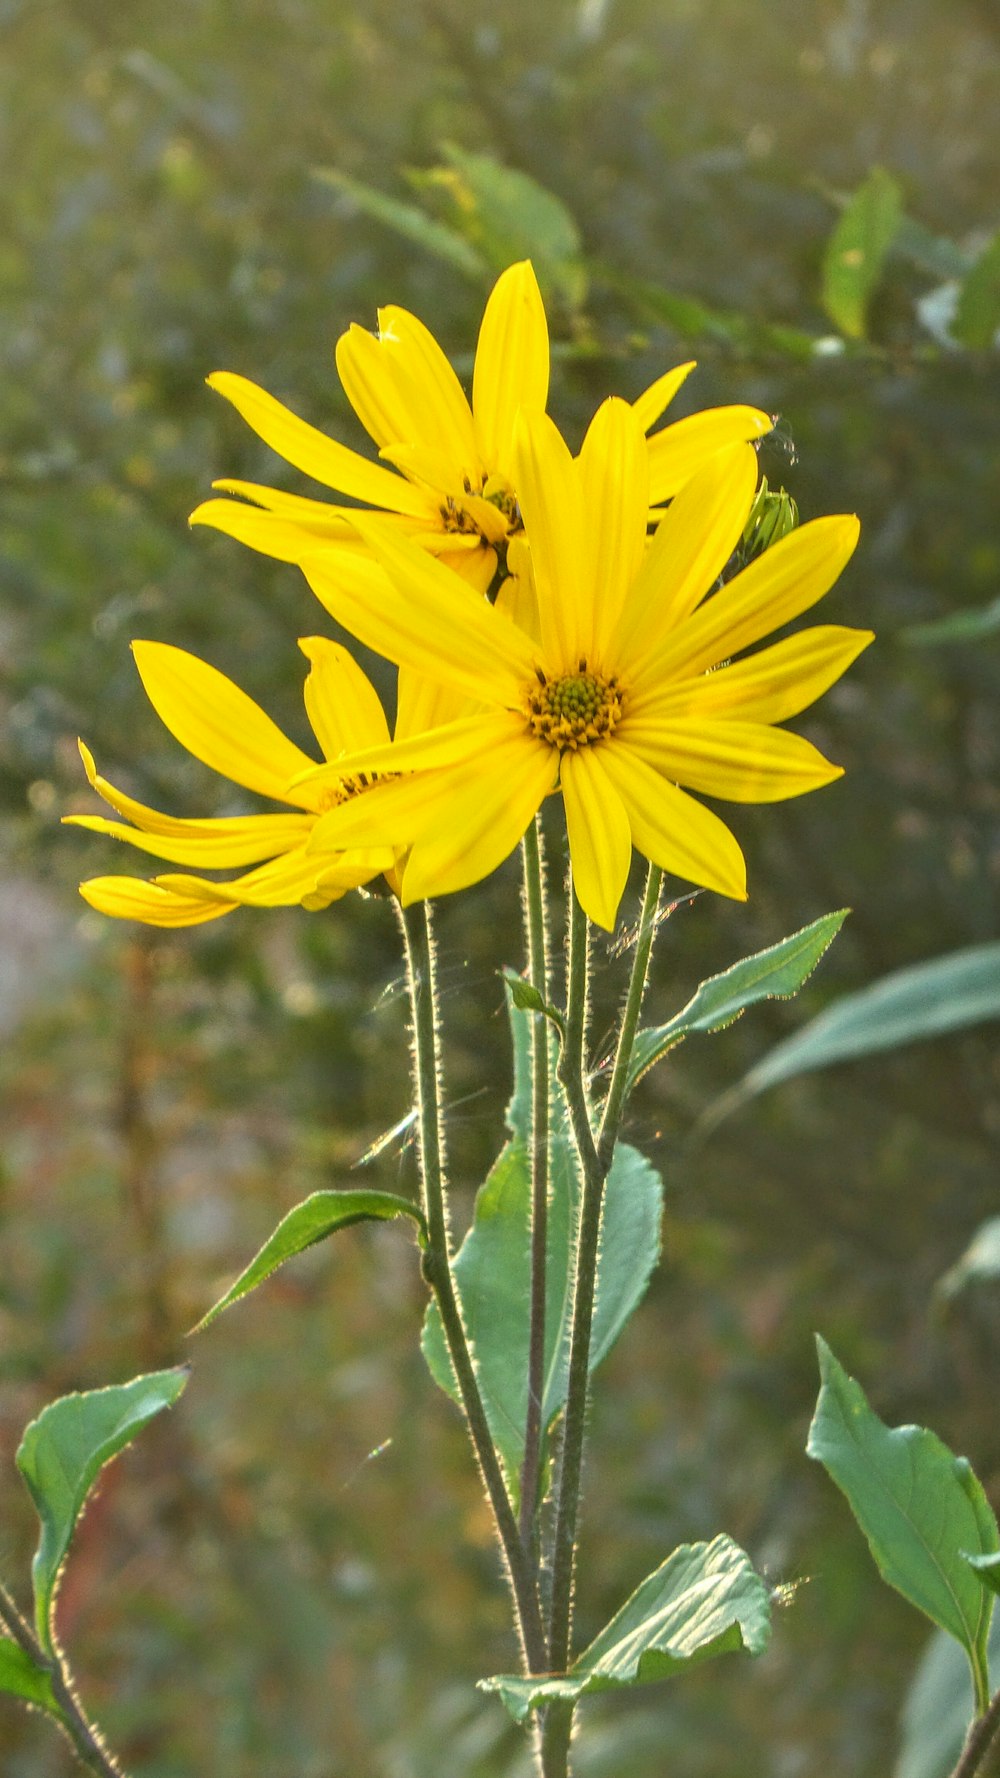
(333,795)
(574,711)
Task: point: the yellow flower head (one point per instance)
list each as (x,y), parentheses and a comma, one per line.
(624,694)
(452,488)
(221,726)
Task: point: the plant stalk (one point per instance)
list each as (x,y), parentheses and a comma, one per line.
(980,1757)
(418,940)
(86,1741)
(536,926)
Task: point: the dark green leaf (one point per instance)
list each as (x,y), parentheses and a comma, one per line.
(856,252)
(510,216)
(960,626)
(987,1568)
(706,1599)
(20,1677)
(63,1452)
(493,1266)
(316,1217)
(977,321)
(961,988)
(920,1508)
(409,221)
(778,972)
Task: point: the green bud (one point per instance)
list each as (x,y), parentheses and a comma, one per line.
(772,517)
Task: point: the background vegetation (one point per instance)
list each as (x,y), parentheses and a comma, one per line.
(255,1592)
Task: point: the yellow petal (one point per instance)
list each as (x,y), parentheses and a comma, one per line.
(692,544)
(416,612)
(445,746)
(660,394)
(342,705)
(276,832)
(517,599)
(431,390)
(615,476)
(365,367)
(422,704)
(551,500)
(742,762)
(282,883)
(782,583)
(673,830)
(312,451)
(476,566)
(769,686)
(217,722)
(679,450)
(272,534)
(600,839)
(226,844)
(512,363)
(472,819)
(129,898)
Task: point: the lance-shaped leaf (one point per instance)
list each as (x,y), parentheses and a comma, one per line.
(493,1265)
(704,1600)
(922,1509)
(856,251)
(407,220)
(63,1452)
(316,1217)
(924,1000)
(776,973)
(22,1679)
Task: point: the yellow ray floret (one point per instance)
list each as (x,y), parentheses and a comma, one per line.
(224,728)
(453,484)
(624,695)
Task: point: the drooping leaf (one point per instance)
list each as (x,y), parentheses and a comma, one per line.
(856,252)
(961,988)
(409,221)
(960,626)
(493,1265)
(977,318)
(939,1707)
(987,1568)
(979,1264)
(921,1509)
(706,1599)
(776,973)
(313,1220)
(510,216)
(61,1455)
(22,1679)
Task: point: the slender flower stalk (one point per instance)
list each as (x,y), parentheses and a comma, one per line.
(418,942)
(538,973)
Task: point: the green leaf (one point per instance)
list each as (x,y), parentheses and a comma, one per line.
(959,626)
(493,1265)
(693,319)
(704,1600)
(409,221)
(939,1707)
(987,1568)
(316,1217)
(62,1453)
(20,1677)
(778,972)
(856,252)
(947,993)
(977,321)
(509,216)
(921,1509)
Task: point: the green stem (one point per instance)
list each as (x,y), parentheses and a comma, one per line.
(86,1740)
(614,1104)
(538,972)
(980,1757)
(418,940)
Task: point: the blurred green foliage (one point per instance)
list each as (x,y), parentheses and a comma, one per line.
(255,1592)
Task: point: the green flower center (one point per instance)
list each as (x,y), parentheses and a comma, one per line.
(574,711)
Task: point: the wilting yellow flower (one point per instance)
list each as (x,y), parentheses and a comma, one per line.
(625,696)
(223,727)
(457,493)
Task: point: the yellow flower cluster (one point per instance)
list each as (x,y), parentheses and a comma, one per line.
(561,625)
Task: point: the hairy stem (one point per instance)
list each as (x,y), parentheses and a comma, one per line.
(86,1741)
(536,926)
(418,940)
(614,1104)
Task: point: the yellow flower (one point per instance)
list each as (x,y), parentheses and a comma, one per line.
(225,729)
(625,700)
(456,493)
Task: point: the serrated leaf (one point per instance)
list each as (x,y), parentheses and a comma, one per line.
(313,1220)
(921,1509)
(22,1679)
(776,973)
(61,1455)
(409,221)
(510,216)
(977,319)
(924,1000)
(960,626)
(856,252)
(987,1568)
(493,1266)
(706,1599)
